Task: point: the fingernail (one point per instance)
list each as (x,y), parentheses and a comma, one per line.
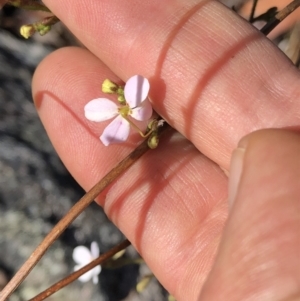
(235,172)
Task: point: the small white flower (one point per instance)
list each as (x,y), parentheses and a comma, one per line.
(83,256)
(137,106)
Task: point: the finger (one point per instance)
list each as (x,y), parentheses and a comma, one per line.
(171,204)
(259,253)
(213,76)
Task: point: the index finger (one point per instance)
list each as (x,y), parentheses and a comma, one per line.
(213,76)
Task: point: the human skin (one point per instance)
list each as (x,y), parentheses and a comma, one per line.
(2,2)
(214,78)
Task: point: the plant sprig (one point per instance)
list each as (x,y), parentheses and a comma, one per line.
(70,278)
(73,213)
(94,192)
(28,5)
(280,16)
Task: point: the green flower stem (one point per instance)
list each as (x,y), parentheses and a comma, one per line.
(149,131)
(144,282)
(28,5)
(115,264)
(45,25)
(42,27)
(137,128)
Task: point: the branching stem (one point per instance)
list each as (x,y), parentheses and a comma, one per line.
(137,128)
(72,214)
(28,5)
(280,16)
(96,190)
(253,11)
(72,277)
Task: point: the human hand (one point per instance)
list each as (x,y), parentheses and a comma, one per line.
(214,78)
(259,255)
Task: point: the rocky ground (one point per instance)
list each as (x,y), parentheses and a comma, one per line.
(36,191)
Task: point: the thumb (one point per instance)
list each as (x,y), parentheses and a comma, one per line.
(259,254)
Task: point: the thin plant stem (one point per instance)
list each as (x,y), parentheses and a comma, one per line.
(79,207)
(138,129)
(251,18)
(72,277)
(42,27)
(28,5)
(121,262)
(280,16)
(105,182)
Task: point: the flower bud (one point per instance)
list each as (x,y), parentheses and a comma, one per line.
(143,283)
(109,87)
(27,31)
(153,140)
(43,29)
(118,255)
(121,100)
(152,125)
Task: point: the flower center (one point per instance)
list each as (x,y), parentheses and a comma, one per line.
(124,111)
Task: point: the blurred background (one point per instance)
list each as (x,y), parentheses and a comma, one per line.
(35,188)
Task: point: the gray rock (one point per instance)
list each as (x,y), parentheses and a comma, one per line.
(36,191)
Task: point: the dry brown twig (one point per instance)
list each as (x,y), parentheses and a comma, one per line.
(64,282)
(280,16)
(92,194)
(28,5)
(73,213)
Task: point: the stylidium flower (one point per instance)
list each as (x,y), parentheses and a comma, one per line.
(137,106)
(83,256)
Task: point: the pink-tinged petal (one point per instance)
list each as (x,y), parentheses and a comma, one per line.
(95,249)
(136,90)
(116,132)
(96,271)
(82,255)
(144,112)
(95,279)
(86,276)
(100,109)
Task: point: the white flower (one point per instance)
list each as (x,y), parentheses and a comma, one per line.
(83,256)
(137,106)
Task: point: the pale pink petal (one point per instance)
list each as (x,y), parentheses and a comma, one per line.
(86,276)
(136,90)
(95,279)
(117,131)
(100,109)
(143,112)
(81,255)
(96,271)
(95,249)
